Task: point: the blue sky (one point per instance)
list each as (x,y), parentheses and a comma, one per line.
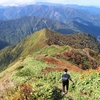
(79,2)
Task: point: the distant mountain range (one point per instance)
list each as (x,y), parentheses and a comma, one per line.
(63,13)
(90,9)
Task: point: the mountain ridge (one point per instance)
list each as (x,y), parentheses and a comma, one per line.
(45,37)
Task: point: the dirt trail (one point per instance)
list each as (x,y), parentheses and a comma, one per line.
(66,95)
(4,82)
(69,96)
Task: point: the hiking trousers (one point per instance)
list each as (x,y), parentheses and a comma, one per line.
(65,85)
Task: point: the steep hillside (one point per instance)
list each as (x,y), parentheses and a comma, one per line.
(3,44)
(40,39)
(79,40)
(80,25)
(25,47)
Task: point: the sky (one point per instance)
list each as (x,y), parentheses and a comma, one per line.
(78,2)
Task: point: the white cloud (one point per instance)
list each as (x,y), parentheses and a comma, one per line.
(80,2)
(53,1)
(16,1)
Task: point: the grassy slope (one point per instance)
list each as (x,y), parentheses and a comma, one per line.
(27,72)
(47,84)
(27,46)
(34,42)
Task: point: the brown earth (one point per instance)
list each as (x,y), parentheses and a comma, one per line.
(59,65)
(5,82)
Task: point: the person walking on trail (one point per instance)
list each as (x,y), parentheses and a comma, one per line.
(65,81)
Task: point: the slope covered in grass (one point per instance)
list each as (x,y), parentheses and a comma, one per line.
(27,46)
(28,81)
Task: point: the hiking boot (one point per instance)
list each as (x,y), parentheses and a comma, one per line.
(63,93)
(66,92)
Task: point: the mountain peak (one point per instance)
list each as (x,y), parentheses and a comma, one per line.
(79,40)
(42,30)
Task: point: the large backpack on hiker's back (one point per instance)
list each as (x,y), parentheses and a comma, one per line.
(65,77)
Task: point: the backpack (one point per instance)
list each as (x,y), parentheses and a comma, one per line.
(65,77)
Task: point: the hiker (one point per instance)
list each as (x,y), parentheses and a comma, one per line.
(65,81)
